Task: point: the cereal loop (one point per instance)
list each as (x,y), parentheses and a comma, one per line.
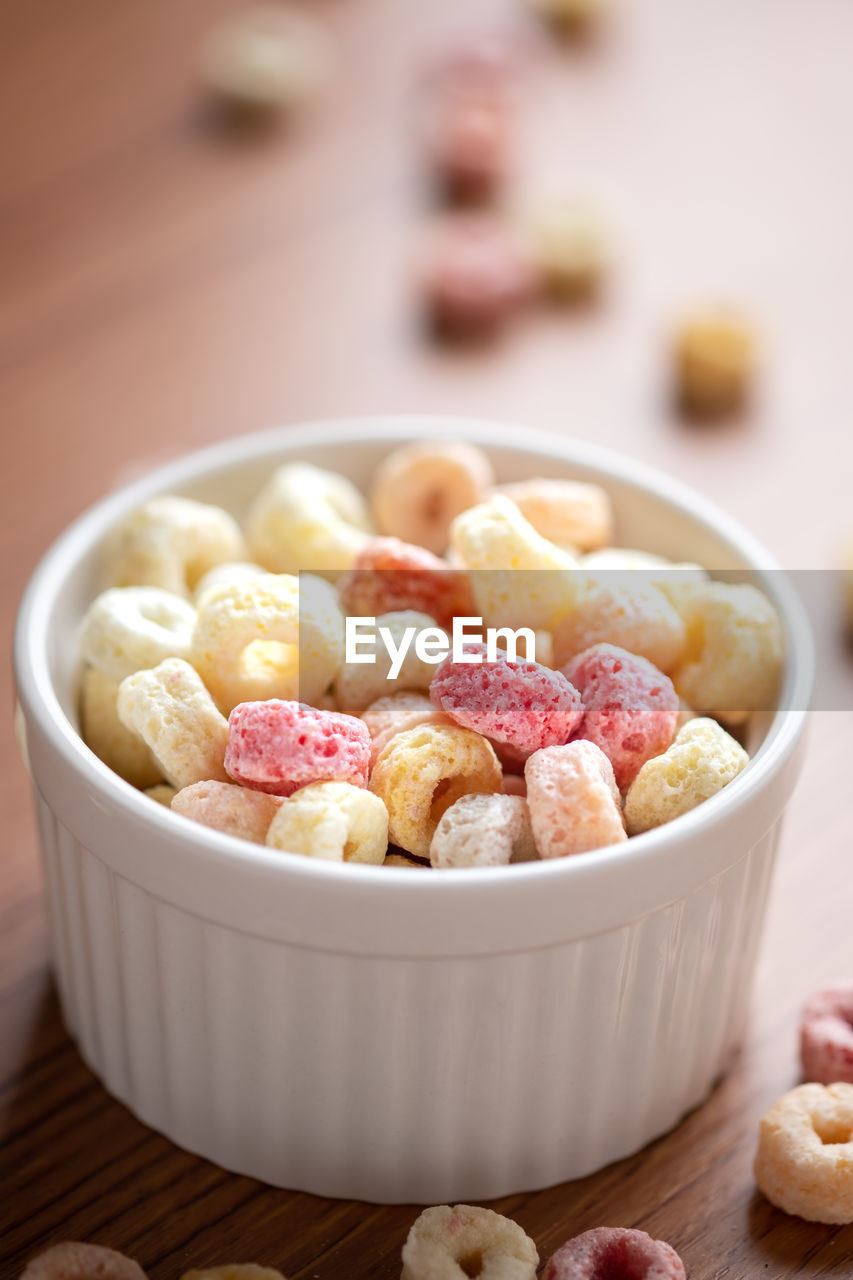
(278,746)
(702,760)
(307,518)
(119,747)
(227,575)
(475,279)
(358,685)
(273,637)
(171,542)
(72,1260)
(395,713)
(613,1253)
(390,576)
(566,512)
(733,661)
(234,810)
(129,628)
(630,708)
(573,800)
(423,771)
(483,831)
(234,1271)
(494,541)
(826,1035)
(170,708)
(631,614)
(419,489)
(804,1161)
(449,1243)
(334,821)
(518,704)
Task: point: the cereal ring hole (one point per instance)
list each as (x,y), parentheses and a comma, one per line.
(832,1132)
(471,1264)
(264,659)
(445,794)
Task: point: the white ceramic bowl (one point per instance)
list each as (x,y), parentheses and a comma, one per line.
(384,1034)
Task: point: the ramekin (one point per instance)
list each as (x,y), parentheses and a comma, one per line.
(383,1034)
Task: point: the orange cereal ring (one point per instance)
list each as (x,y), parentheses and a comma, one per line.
(420,488)
(448,1242)
(423,771)
(235,810)
(804,1161)
(573,799)
(72,1260)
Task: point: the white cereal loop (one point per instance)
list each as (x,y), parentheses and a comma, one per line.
(334,821)
(566,512)
(700,762)
(307,518)
(634,615)
(237,811)
(483,831)
(733,660)
(265,58)
(454,1242)
(119,747)
(226,575)
(423,771)
(494,541)
(420,488)
(358,685)
(73,1260)
(170,708)
(128,628)
(277,636)
(170,542)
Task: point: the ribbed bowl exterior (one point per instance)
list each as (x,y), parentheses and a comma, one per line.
(392,1079)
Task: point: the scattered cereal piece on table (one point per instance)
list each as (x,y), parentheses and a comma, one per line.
(307,519)
(119,747)
(128,628)
(608,1253)
(170,708)
(804,1161)
(170,542)
(419,489)
(566,512)
(334,821)
(390,576)
(73,1260)
(571,17)
(483,831)
(475,279)
(573,799)
(423,771)
(630,707)
(468,145)
(714,355)
(624,611)
(234,1271)
(278,746)
(446,1242)
(518,704)
(264,59)
(826,1035)
(569,250)
(236,811)
(701,760)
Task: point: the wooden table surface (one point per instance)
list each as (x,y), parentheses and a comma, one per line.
(166,284)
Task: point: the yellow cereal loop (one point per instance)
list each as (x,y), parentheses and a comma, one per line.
(359,684)
(733,659)
(395,713)
(226,575)
(420,488)
(172,711)
(119,747)
(702,760)
(170,542)
(447,1242)
(495,542)
(128,628)
(334,821)
(632,615)
(307,518)
(566,512)
(423,771)
(804,1161)
(236,811)
(277,636)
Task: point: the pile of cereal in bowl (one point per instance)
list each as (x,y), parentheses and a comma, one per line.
(446,673)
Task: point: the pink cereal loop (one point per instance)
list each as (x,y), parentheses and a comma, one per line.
(614,1253)
(279,746)
(826,1035)
(73,1260)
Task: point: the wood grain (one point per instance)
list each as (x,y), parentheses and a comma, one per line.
(165,284)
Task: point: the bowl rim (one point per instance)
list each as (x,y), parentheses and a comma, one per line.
(41,702)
